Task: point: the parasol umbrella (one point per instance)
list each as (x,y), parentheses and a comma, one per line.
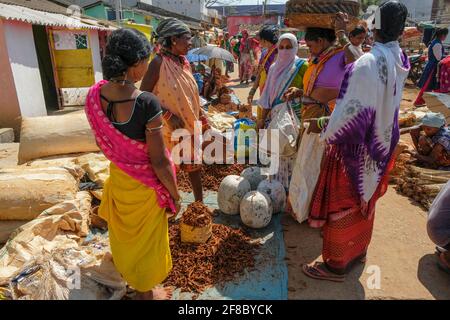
(213,52)
(192,57)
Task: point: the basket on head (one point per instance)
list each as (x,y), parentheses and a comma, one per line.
(304,14)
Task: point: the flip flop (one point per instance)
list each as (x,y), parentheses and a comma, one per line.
(439,251)
(319,271)
(443,264)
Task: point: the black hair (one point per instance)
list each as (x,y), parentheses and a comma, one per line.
(393,21)
(314,34)
(167,42)
(357,31)
(440,32)
(125,48)
(269,34)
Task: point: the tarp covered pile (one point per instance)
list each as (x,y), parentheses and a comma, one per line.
(49,257)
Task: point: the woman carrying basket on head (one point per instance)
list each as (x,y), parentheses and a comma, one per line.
(321,85)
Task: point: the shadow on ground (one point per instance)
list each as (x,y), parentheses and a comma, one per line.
(303,246)
(434,279)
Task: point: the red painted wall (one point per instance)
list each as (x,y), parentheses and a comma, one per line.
(233,22)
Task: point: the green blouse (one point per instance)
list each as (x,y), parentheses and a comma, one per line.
(298,83)
(298,80)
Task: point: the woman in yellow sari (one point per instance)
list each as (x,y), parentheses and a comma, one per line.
(170,78)
(142,185)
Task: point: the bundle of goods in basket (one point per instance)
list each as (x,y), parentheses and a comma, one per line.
(321,13)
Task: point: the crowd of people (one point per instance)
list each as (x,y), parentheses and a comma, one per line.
(346,96)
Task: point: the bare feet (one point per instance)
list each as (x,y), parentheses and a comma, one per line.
(157,293)
(162,293)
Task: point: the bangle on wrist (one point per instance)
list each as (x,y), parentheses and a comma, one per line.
(318,124)
(321,122)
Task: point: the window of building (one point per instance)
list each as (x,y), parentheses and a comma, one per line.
(81,41)
(68,40)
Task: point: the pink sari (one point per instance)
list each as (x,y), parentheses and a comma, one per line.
(129,155)
(444,79)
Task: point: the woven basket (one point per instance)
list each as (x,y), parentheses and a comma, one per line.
(317,20)
(190,234)
(304,14)
(351,7)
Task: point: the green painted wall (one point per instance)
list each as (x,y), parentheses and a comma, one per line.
(154,23)
(99,12)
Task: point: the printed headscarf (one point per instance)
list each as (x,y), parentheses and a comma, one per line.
(171,27)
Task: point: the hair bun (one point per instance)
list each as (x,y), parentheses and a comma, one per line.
(124,49)
(113,66)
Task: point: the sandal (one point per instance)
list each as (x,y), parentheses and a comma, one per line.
(439,251)
(443,264)
(319,271)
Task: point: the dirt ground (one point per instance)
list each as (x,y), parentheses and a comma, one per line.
(400,252)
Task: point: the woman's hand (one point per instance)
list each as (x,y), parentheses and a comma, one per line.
(413,154)
(341,22)
(364,207)
(415,132)
(260,124)
(250,99)
(177,205)
(313,127)
(251,94)
(205,124)
(292,93)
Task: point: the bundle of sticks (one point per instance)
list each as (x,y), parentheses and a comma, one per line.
(226,256)
(422,185)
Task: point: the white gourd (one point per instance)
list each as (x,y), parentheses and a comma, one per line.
(256,210)
(275,190)
(254,176)
(231,191)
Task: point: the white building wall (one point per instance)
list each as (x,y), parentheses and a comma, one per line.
(190,8)
(419,10)
(25,68)
(96,58)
